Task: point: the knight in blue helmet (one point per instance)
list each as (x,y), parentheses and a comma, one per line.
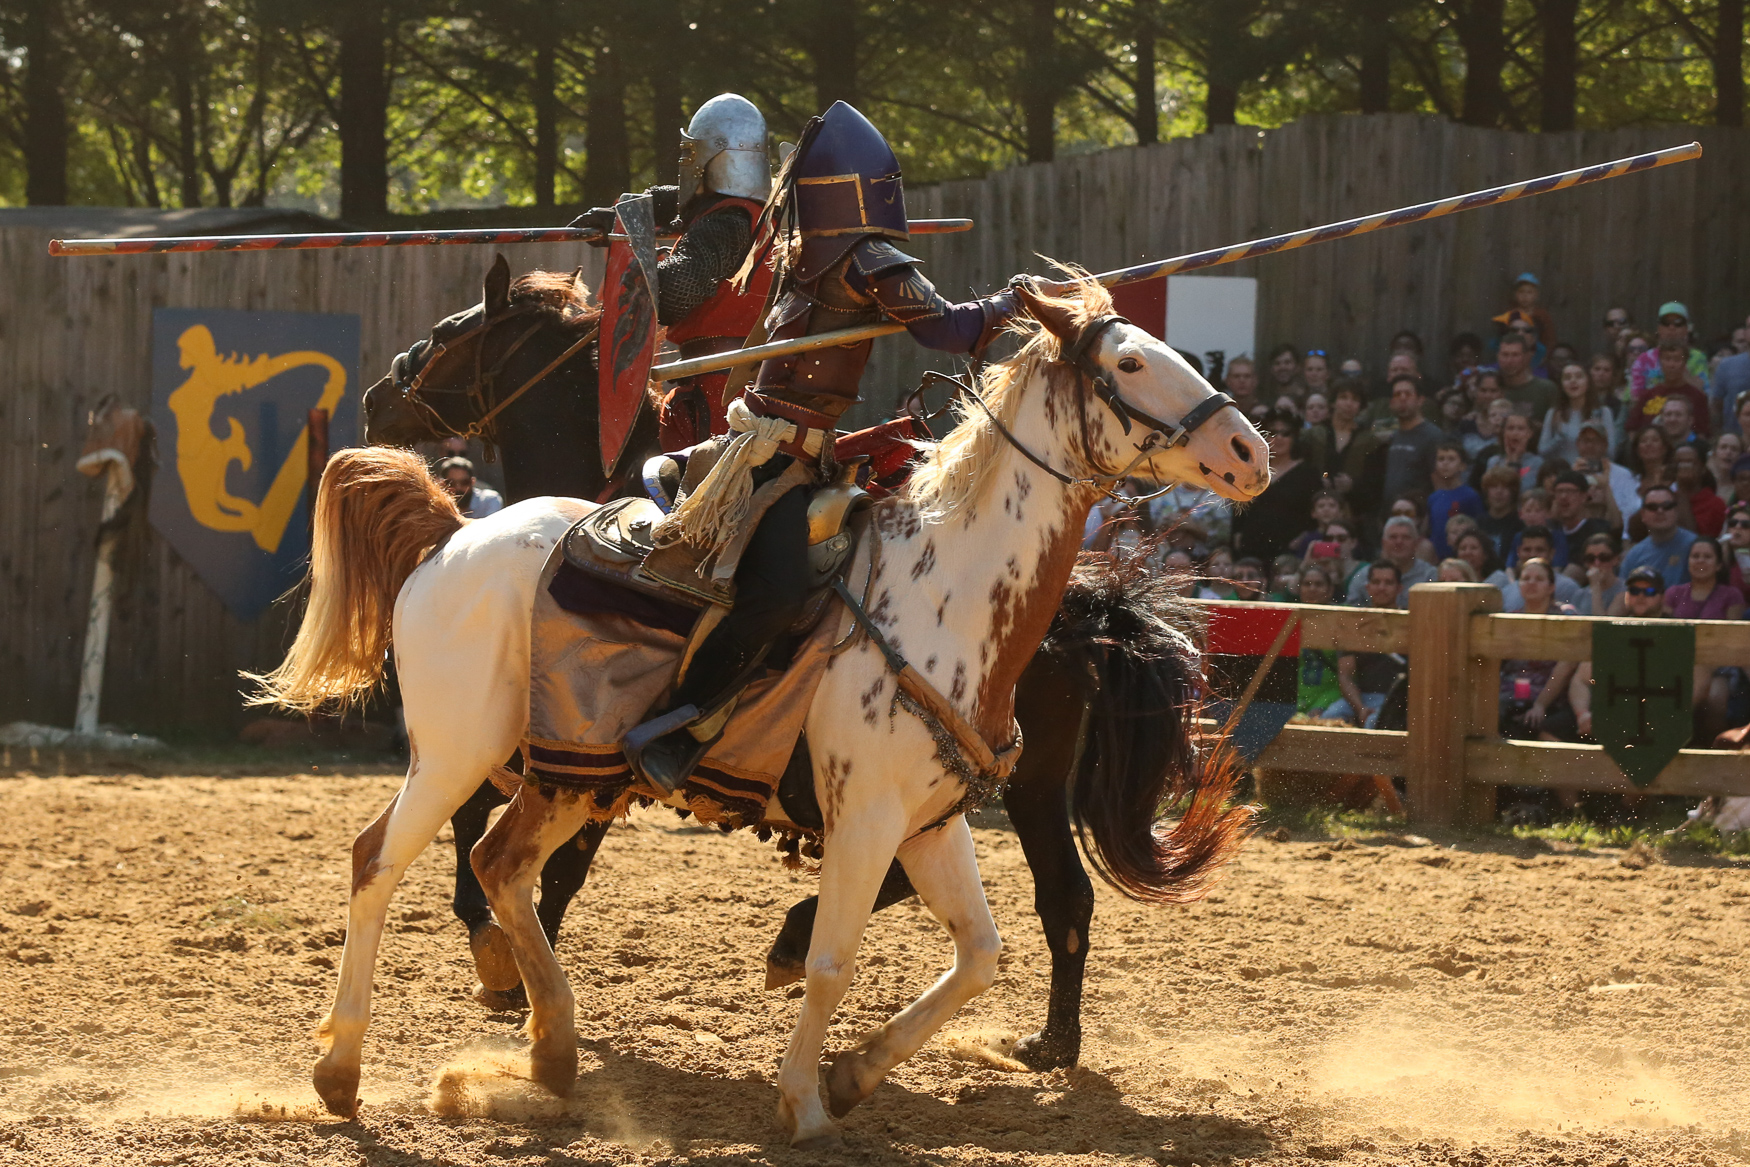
(835,213)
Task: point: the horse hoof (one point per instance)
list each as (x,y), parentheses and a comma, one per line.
(818,1135)
(554,1071)
(338,1087)
(512,1001)
(494,959)
(843,1091)
(1041,1052)
(778,975)
(829,1141)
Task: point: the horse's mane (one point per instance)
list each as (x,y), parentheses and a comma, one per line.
(952,478)
(562,294)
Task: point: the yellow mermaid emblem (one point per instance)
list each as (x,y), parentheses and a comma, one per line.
(203,458)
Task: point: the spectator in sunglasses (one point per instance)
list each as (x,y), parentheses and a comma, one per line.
(1666,547)
(1737,547)
(1616,321)
(1643,595)
(1600,559)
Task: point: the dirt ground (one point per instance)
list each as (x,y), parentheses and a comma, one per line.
(168,945)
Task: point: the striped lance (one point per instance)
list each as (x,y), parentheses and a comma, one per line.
(1198,260)
(488,235)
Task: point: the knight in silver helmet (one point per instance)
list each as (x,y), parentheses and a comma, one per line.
(723,150)
(724,179)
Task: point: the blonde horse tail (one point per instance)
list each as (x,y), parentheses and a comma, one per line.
(379,513)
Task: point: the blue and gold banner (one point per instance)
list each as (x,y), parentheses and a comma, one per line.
(231,396)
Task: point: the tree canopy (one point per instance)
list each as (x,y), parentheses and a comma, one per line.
(364,108)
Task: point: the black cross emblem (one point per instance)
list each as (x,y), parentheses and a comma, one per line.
(1641,691)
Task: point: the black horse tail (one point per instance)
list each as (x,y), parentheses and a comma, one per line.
(1121,625)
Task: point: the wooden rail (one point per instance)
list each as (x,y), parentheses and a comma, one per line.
(1451,756)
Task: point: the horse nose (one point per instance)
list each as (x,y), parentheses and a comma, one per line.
(1241,449)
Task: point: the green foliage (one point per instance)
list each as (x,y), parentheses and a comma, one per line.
(231,102)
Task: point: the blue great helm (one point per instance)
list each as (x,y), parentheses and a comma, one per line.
(847,186)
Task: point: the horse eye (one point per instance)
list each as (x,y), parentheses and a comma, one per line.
(1129,365)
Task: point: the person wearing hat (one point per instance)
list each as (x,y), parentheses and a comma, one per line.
(1592,448)
(1526,292)
(1673,326)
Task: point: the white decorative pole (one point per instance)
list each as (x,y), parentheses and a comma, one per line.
(109,451)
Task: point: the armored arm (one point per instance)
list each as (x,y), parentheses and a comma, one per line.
(664,206)
(709,252)
(907,296)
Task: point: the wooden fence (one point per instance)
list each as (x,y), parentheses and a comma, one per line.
(72,330)
(1451,758)
(1679,233)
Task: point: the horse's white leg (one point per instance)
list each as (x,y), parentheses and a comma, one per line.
(380,856)
(859,851)
(508,861)
(944,869)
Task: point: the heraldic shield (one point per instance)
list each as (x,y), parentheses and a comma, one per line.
(1642,677)
(628,337)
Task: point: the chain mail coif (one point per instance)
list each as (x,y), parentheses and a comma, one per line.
(709,253)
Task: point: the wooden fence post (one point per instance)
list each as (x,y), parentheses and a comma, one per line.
(1445,683)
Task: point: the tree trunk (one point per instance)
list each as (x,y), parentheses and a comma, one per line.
(1038,83)
(546,122)
(608,170)
(187,155)
(1221,104)
(45,109)
(667,65)
(1484,39)
(1561,63)
(1729,65)
(1148,103)
(364,111)
(832,43)
(140,145)
(1374,36)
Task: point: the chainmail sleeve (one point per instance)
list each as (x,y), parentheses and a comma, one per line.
(708,253)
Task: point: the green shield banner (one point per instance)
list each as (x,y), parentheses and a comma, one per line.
(1642,674)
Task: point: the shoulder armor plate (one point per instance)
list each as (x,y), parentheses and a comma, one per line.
(874,255)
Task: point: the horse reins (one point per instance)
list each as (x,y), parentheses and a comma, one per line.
(481,386)
(1170,435)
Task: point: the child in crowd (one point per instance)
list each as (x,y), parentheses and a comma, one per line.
(1451,496)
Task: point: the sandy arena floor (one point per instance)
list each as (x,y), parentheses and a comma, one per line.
(168,945)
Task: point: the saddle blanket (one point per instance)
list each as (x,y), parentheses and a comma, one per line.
(596,673)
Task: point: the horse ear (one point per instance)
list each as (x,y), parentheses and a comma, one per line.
(496,291)
(1059,321)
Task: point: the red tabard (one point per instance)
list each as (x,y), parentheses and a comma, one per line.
(693,409)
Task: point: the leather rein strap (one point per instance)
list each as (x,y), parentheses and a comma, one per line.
(483,381)
(1165,433)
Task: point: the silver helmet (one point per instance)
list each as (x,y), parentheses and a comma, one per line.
(723,149)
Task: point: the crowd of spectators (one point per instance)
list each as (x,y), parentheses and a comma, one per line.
(1608,477)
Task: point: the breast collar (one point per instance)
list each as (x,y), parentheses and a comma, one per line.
(1079,355)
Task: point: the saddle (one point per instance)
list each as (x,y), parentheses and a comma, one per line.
(615,545)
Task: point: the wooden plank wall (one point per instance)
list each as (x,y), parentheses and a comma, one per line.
(74,329)
(71,330)
(1679,233)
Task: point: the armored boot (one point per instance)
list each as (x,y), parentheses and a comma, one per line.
(664,749)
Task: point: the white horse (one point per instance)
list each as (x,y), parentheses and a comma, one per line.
(974,558)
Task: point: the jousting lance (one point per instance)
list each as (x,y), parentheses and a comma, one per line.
(67,247)
(1198,260)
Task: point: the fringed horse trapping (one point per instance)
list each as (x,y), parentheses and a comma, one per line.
(976,553)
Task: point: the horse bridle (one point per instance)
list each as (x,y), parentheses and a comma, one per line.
(1077,356)
(480,389)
